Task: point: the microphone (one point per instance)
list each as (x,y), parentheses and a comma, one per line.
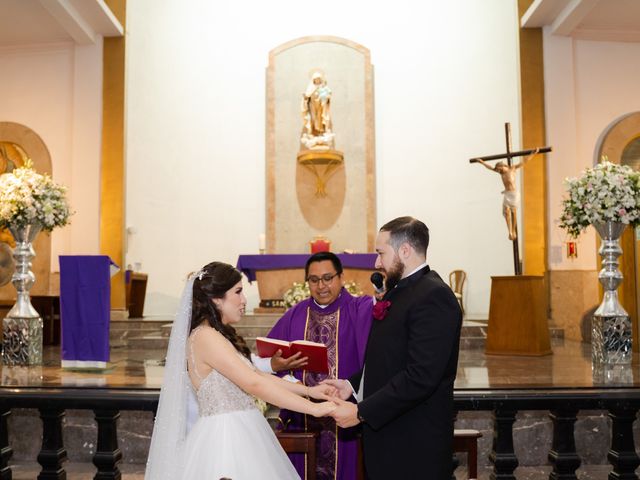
(378,282)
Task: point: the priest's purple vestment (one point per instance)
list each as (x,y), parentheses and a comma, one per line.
(344,327)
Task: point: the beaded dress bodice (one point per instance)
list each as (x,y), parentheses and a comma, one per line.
(217,394)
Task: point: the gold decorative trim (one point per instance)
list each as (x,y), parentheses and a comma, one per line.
(337,375)
(321,157)
(534,176)
(304,382)
(112,174)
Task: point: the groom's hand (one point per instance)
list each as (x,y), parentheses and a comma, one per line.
(345,414)
(342,386)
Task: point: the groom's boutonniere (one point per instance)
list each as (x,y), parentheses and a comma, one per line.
(380,309)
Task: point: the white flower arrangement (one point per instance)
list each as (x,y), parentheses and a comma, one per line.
(297,293)
(606,193)
(300,291)
(27,197)
(353,288)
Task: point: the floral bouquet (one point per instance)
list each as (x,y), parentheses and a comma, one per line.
(300,291)
(606,193)
(297,293)
(27,197)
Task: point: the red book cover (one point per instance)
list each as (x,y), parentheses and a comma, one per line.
(267,347)
(316,352)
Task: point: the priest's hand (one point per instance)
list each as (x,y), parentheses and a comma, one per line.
(345,414)
(322,392)
(342,386)
(278,363)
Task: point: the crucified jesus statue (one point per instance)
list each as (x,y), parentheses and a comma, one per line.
(511,196)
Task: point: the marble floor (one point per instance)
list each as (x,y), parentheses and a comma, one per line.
(569,366)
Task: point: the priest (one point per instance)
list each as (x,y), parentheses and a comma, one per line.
(342,322)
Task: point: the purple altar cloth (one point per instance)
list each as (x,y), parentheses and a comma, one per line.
(248,264)
(85,308)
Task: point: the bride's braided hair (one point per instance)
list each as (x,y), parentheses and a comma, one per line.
(213,281)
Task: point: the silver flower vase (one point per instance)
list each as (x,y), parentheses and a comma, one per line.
(610,326)
(22,327)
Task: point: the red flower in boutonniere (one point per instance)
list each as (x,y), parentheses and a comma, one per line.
(380,309)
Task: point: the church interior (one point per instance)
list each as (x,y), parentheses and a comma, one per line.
(177,128)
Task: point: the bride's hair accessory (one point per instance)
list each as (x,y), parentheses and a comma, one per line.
(199,274)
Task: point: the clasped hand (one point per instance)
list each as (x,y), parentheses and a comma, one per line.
(345,413)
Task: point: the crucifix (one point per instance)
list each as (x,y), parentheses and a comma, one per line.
(510,194)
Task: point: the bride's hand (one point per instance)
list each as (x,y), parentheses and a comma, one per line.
(323,409)
(322,391)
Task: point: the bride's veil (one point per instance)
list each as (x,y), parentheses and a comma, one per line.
(170,426)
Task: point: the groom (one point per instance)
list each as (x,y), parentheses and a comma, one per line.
(405,391)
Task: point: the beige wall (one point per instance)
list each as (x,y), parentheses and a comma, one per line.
(588,85)
(196,127)
(55,90)
(572,293)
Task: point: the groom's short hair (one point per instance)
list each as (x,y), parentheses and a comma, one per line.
(407,230)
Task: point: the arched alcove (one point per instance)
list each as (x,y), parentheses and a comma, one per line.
(306,198)
(620,143)
(18,142)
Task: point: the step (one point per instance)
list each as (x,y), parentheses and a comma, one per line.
(156,334)
(152,341)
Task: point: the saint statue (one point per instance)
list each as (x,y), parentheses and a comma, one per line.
(317,145)
(316,114)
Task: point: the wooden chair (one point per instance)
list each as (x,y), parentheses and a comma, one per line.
(301,442)
(466,441)
(456,282)
(135,291)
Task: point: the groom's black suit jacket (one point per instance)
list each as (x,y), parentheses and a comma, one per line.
(410,366)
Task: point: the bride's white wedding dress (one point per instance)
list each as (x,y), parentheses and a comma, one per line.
(231,438)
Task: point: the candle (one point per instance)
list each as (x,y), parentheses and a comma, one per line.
(262,240)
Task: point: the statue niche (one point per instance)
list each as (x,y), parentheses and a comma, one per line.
(319,96)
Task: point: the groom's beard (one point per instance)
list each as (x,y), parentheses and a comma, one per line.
(394,274)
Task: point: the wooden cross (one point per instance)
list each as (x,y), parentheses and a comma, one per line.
(509,156)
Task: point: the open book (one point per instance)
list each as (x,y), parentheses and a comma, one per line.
(316,352)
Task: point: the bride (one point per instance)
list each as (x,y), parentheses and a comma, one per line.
(231,438)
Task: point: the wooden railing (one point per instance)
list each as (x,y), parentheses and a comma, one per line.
(622,405)
(52,404)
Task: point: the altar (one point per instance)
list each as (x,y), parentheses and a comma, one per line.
(276,274)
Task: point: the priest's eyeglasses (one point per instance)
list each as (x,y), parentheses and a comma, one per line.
(326,278)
